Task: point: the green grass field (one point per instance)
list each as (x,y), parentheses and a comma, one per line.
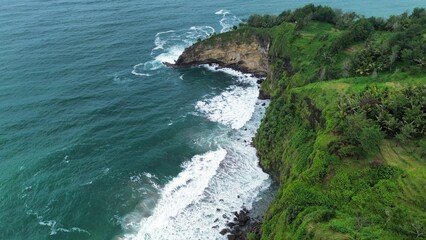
(344,134)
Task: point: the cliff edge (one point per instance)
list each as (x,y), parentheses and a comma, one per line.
(249,53)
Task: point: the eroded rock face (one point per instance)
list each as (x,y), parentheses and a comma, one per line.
(250,56)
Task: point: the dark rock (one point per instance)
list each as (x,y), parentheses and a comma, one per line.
(216,220)
(263,104)
(224,231)
(263,95)
(218,210)
(231,237)
(231,224)
(172,65)
(260,80)
(215,226)
(224,216)
(243,217)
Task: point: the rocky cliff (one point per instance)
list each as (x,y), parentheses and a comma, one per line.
(249,54)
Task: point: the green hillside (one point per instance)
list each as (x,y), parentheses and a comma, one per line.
(345,132)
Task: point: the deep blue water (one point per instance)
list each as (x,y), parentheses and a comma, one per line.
(98,140)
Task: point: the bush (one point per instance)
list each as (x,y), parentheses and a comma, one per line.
(262,21)
(397,112)
(372,59)
(361,30)
(359,136)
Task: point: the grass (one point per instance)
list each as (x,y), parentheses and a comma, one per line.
(413,183)
(241,35)
(372,196)
(410,190)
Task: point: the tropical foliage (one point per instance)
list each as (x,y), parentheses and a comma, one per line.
(344,134)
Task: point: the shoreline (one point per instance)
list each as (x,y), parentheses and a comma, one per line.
(245,220)
(250,221)
(240,202)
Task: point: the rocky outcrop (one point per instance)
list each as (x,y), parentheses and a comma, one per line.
(241,224)
(249,55)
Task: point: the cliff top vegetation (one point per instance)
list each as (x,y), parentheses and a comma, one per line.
(345,134)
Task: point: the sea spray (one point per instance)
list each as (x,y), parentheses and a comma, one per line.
(236,104)
(228,20)
(169,45)
(200,201)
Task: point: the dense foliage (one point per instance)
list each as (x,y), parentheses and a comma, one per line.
(399,41)
(366,117)
(345,132)
(340,178)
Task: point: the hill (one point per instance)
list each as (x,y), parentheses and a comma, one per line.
(345,133)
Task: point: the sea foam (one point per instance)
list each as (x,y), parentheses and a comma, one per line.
(234,107)
(228,20)
(169,45)
(236,104)
(200,201)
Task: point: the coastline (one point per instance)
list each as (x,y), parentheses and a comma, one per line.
(248,221)
(247,59)
(326,126)
(228,190)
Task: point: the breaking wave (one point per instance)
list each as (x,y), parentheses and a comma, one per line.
(199,202)
(170,44)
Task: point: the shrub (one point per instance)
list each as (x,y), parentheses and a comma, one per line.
(359,136)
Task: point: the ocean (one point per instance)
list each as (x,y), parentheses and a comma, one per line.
(99,140)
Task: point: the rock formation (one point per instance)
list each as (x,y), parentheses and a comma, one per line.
(249,55)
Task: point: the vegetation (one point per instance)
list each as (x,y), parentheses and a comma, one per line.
(345,133)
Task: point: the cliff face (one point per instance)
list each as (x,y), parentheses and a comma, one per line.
(249,55)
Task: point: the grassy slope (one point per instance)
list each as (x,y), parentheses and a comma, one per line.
(341,199)
(321,196)
(379,196)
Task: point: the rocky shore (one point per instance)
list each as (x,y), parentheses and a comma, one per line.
(240,225)
(249,56)
(248,221)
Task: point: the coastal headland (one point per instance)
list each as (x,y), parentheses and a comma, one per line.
(345,133)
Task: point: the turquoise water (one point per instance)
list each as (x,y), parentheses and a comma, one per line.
(98,140)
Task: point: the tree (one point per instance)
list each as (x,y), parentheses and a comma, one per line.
(344,20)
(358,136)
(361,29)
